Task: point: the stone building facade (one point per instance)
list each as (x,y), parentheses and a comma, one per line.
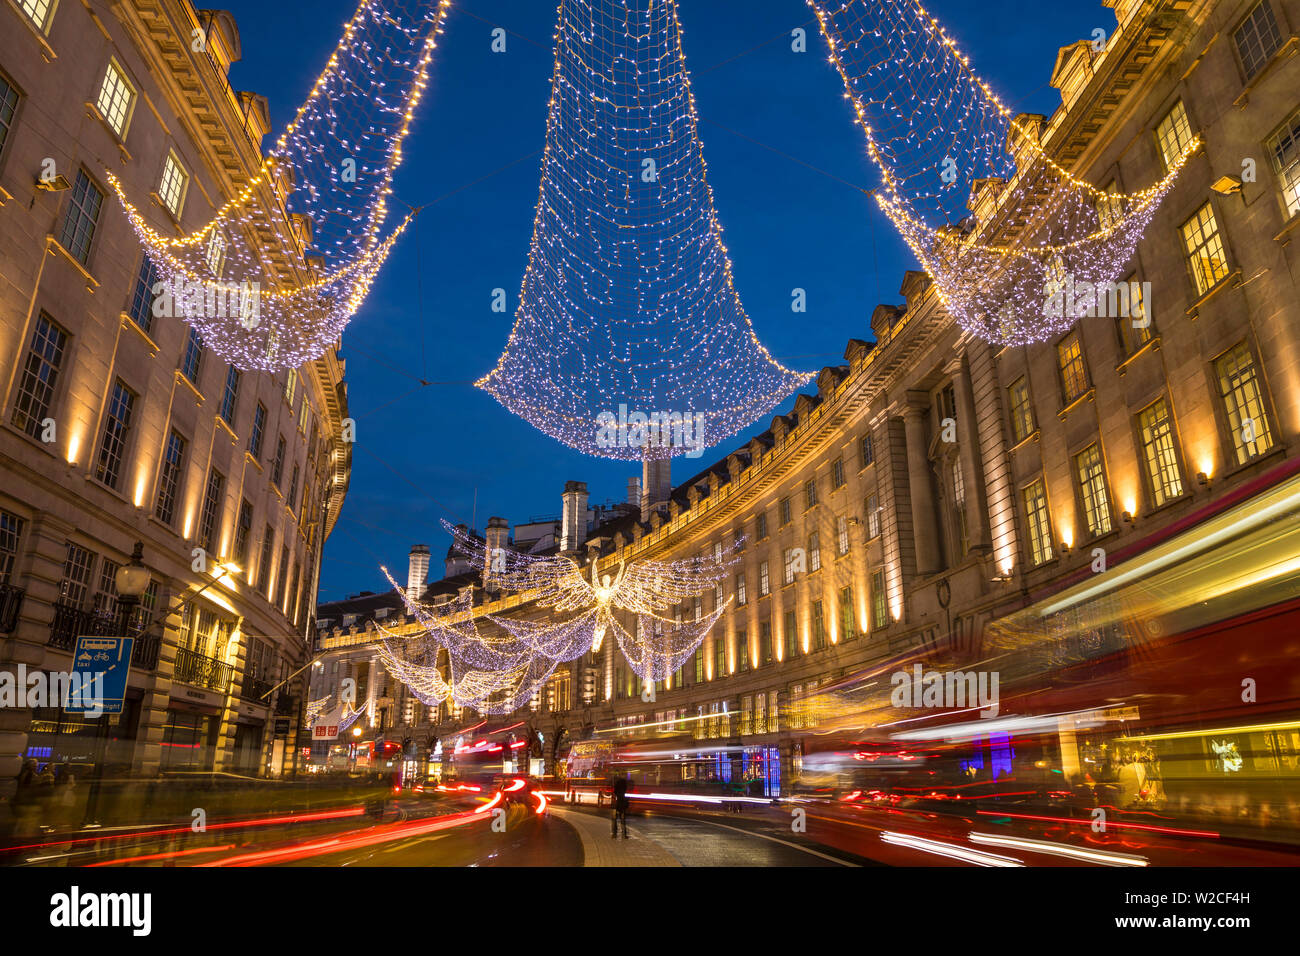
(118,425)
(935,484)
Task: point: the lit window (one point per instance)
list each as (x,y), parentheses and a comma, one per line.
(837,473)
(789,565)
(1257,39)
(1110,206)
(868,453)
(40,12)
(40,375)
(1284,148)
(765,642)
(814,552)
(879,600)
(810,492)
(760,527)
(1034,497)
(1022,413)
(1092,490)
(81,217)
(873,517)
(842,534)
(172,188)
(1204,248)
(1173,134)
(785,511)
(291,386)
(1164,475)
(1135,329)
(8,107)
(1243,403)
(848,627)
(741,597)
(818,623)
(790,635)
(764,581)
(216,255)
(1074,376)
(115,99)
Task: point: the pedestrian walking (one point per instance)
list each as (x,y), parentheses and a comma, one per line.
(620,808)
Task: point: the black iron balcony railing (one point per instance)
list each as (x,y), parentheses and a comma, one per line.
(11,599)
(70,621)
(255,689)
(144,652)
(201,671)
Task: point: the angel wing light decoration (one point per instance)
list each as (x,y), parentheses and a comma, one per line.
(497,672)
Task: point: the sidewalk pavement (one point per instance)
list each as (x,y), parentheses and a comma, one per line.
(599,849)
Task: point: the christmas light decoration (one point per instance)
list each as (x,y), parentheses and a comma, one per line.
(274,276)
(630,338)
(1001,228)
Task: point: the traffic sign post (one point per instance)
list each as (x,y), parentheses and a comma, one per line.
(103,665)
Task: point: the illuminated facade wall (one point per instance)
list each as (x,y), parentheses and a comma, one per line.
(73,309)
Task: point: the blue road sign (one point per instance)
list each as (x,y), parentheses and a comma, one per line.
(103,664)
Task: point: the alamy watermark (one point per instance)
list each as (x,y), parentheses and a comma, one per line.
(76,690)
(1066,297)
(950,689)
(211,299)
(635,429)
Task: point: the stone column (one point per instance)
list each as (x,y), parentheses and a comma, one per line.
(925,528)
(147,759)
(234,655)
(972,469)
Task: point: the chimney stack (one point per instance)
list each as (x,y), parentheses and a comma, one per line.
(573,519)
(497,536)
(656,482)
(417,573)
(634,491)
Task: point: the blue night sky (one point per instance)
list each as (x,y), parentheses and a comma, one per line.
(784,161)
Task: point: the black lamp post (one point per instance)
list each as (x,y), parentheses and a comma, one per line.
(131,581)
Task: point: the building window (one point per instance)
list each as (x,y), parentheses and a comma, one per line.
(764,583)
(170,479)
(1034,497)
(81,217)
(8,109)
(837,473)
(848,626)
(1135,329)
(216,254)
(293,490)
(1022,412)
(11,532)
(40,374)
(879,600)
(1243,403)
(1257,39)
(773,724)
(112,442)
(760,527)
(746,715)
(1164,475)
(740,589)
(818,626)
(719,658)
(259,429)
(171,190)
(1284,148)
(282,578)
(210,521)
(304,416)
(243,531)
(291,386)
(1074,375)
(115,99)
(868,453)
(785,511)
(193,356)
(1110,206)
(143,298)
(810,493)
(1173,134)
(814,552)
(739,540)
(277,471)
(40,12)
(959,508)
(873,516)
(765,642)
(842,535)
(742,650)
(697,607)
(789,565)
(264,566)
(1092,490)
(231,395)
(75,586)
(791,635)
(1204,245)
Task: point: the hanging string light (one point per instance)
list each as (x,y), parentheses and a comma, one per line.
(271,280)
(1000,226)
(628,314)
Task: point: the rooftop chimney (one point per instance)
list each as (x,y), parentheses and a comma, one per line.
(496,536)
(573,519)
(634,491)
(656,483)
(417,573)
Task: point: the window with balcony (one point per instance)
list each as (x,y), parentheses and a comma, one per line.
(1243,403)
(112,441)
(116,98)
(1022,410)
(1173,133)
(1204,246)
(1091,476)
(1034,499)
(11,532)
(1159,452)
(81,218)
(169,478)
(39,377)
(74,588)
(1257,39)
